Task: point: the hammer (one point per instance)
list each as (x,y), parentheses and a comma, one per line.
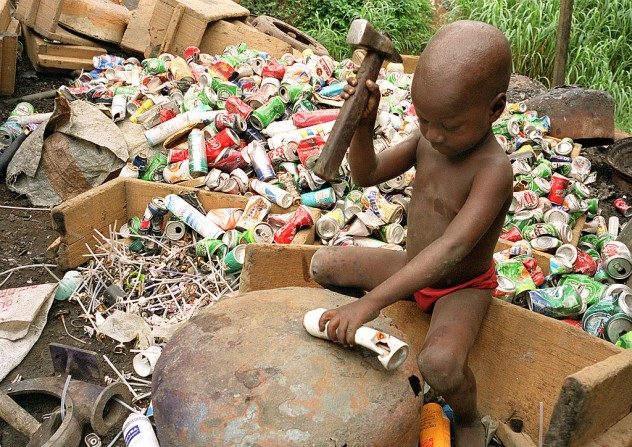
(378,47)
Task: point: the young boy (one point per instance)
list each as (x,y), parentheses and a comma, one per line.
(461,193)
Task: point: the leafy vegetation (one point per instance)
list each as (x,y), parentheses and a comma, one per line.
(408,22)
(600,53)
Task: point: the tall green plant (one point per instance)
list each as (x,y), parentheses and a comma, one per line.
(600,53)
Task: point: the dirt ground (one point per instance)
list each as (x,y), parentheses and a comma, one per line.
(26,234)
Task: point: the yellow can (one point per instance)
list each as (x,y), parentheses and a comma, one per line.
(435,427)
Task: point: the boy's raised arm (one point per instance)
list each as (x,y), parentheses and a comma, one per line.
(367,167)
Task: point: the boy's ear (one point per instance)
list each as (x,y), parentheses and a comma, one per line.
(497,106)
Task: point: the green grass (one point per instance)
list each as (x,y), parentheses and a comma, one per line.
(406,21)
(600,53)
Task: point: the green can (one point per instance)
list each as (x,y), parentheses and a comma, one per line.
(157,163)
(540,229)
(625,341)
(618,325)
(540,186)
(154,66)
(210,247)
(208,96)
(556,302)
(397,109)
(291,93)
(126,90)
(225,89)
(517,273)
(526,178)
(133,225)
(542,170)
(588,241)
(593,253)
(596,316)
(230,59)
(522,222)
(270,111)
(303,105)
(590,290)
(602,239)
(23,109)
(137,245)
(580,190)
(234,259)
(593,206)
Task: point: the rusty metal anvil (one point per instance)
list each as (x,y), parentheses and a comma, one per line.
(378,47)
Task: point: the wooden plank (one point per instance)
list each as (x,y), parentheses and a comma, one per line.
(136,38)
(70,256)
(101,20)
(45,55)
(74,219)
(223,33)
(43,17)
(520,358)
(274,266)
(5,15)
(8,58)
(619,435)
(510,438)
(591,401)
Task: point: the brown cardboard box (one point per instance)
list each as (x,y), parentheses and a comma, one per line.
(52,56)
(223,33)
(113,203)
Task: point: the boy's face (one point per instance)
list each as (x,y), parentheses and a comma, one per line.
(453,122)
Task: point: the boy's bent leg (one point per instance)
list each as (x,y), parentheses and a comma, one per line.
(455,323)
(359,267)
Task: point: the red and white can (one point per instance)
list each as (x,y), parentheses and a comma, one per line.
(622,206)
(175,155)
(232,121)
(228,160)
(235,105)
(301,218)
(309,150)
(226,139)
(559,184)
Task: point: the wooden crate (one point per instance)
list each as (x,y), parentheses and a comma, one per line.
(113,203)
(136,38)
(55,56)
(210,25)
(520,359)
(9,34)
(43,17)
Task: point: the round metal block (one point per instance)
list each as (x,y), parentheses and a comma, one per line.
(246,373)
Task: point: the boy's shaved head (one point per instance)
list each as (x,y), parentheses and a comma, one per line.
(466,59)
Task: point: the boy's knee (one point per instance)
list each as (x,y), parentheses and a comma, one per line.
(441,370)
(319,267)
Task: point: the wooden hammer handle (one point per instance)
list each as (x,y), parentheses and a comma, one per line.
(347,122)
(17,417)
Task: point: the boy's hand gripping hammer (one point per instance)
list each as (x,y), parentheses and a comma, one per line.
(378,47)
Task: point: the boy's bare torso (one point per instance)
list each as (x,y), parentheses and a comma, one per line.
(441,187)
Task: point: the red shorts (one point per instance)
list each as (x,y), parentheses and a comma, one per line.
(426,298)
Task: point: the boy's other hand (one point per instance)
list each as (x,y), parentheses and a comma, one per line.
(374,96)
(344,321)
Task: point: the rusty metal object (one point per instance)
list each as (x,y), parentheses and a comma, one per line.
(83,403)
(379,47)
(245,372)
(576,112)
(620,161)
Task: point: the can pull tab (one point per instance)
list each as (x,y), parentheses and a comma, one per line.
(391,351)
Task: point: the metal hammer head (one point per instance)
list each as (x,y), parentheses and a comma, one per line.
(363,35)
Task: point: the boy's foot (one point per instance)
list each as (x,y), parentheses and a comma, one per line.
(471,435)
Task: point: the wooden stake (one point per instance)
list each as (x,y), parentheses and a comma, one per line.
(562,41)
